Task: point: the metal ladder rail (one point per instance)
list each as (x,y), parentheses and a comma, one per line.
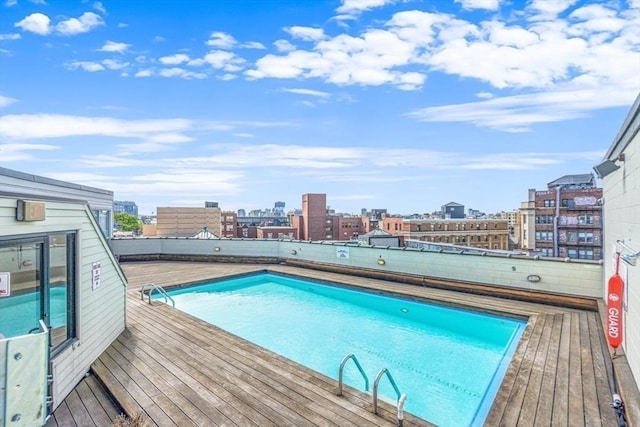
(154,287)
(401,396)
(344,362)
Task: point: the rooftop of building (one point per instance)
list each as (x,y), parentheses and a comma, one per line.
(580,180)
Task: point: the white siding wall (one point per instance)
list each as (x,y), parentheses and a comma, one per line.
(575,278)
(621,191)
(100,313)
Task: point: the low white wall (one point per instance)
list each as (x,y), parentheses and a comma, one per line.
(558,276)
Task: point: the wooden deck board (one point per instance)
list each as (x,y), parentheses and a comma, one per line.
(576,403)
(241,365)
(181,371)
(88,405)
(544,410)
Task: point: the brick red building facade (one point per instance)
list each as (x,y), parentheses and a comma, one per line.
(568,218)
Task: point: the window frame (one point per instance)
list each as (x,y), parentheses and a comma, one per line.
(44,241)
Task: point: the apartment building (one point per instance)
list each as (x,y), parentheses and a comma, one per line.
(477,233)
(228,224)
(568,218)
(188,221)
(276,232)
(125,206)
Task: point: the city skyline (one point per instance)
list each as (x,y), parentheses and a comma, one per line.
(404,105)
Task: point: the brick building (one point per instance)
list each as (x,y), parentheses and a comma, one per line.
(568,218)
(312,224)
(276,232)
(477,233)
(229,224)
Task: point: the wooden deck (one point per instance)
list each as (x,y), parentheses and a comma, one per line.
(88,405)
(181,371)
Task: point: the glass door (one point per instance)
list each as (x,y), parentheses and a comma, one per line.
(21,293)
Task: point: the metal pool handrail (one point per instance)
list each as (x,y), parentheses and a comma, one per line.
(154,287)
(401,396)
(355,360)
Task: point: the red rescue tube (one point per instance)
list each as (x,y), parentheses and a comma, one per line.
(615,295)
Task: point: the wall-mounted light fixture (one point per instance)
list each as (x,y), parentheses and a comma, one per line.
(294,252)
(381,261)
(534,278)
(217,249)
(631,258)
(608,166)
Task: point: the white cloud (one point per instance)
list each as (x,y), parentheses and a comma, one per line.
(99,7)
(85,23)
(244,135)
(10,3)
(545,9)
(114,64)
(110,46)
(5,101)
(479,4)
(227,77)
(308,92)
(253,45)
(40,23)
(85,65)
(372,59)
(355,7)
(221,40)
(10,36)
(175,59)
(159,39)
(41,126)
(284,46)
(37,23)
(181,73)
(144,73)
(22,152)
(306,33)
(519,112)
(224,60)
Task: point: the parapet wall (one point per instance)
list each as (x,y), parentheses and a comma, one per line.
(515,276)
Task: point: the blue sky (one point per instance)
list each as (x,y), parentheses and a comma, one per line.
(398,104)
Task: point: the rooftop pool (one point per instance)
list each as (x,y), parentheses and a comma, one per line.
(449,362)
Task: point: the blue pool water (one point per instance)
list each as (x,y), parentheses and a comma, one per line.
(449,362)
(20,313)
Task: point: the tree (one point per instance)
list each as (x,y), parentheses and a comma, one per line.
(127,222)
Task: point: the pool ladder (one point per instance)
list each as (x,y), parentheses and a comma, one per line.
(401,396)
(153,287)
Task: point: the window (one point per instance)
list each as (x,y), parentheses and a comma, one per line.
(572,253)
(544,219)
(565,203)
(549,203)
(43,275)
(544,235)
(546,252)
(585,219)
(585,254)
(103,218)
(585,237)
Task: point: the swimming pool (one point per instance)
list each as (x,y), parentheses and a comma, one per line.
(20,313)
(449,362)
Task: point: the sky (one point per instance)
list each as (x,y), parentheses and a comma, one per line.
(399,104)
